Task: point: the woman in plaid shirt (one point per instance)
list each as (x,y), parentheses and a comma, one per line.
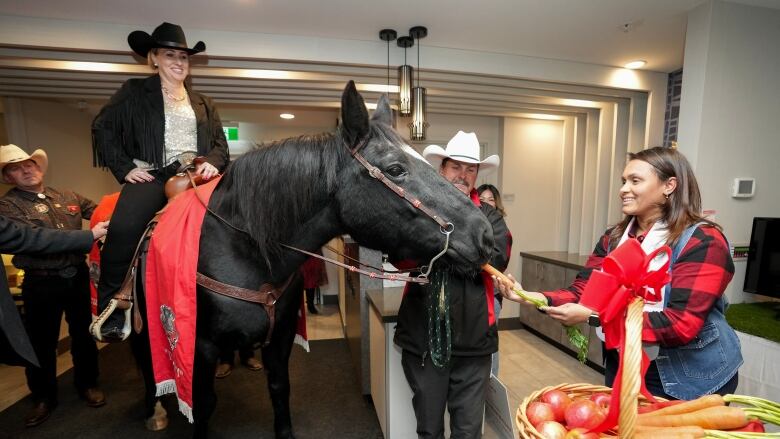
(693,349)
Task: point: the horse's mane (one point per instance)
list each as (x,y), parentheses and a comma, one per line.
(272,190)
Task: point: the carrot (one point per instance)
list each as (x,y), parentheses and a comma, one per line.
(669,432)
(711,418)
(666,435)
(658,405)
(537,303)
(754,426)
(688,406)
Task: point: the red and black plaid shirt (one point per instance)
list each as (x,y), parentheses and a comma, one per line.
(699,277)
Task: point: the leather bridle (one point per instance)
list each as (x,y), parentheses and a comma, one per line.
(445,227)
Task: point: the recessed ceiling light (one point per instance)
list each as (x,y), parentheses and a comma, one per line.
(638,64)
(287,116)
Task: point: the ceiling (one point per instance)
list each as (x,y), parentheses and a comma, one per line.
(605,32)
(599,32)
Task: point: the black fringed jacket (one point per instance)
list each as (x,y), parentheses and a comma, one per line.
(132,126)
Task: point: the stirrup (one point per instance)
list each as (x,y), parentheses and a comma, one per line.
(97,325)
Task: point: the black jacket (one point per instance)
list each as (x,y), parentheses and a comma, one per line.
(15,347)
(474,333)
(132,126)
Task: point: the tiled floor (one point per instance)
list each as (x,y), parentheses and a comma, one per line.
(527,363)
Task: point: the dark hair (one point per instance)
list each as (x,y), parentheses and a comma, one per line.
(683,207)
(496,196)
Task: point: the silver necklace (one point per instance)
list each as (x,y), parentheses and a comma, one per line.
(171,96)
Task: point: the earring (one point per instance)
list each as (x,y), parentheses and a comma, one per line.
(667,196)
(155,64)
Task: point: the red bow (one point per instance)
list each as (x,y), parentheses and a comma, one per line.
(625,275)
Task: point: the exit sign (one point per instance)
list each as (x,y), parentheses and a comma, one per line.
(231,133)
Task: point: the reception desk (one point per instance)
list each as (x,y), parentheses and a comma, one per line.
(389,390)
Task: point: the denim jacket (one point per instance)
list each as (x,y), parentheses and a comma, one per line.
(708,361)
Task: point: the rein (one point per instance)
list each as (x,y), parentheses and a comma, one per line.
(445,227)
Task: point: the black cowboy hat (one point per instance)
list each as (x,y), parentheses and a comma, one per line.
(166,35)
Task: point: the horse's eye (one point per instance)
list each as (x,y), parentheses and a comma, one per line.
(395,170)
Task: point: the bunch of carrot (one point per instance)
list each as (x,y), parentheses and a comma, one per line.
(576,337)
(708,417)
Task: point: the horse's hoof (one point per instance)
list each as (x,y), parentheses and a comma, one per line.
(159,420)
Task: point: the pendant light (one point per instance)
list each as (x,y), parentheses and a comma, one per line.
(405,77)
(418,125)
(388,35)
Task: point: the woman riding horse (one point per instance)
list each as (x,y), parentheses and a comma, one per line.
(148,129)
(362,180)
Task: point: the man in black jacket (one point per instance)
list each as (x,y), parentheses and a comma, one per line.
(458,381)
(53,284)
(15,346)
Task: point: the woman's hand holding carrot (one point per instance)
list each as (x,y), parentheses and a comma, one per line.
(569,313)
(509,287)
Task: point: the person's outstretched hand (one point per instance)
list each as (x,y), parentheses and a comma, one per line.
(569,313)
(100,230)
(506,289)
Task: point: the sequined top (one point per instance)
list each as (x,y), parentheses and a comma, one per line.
(181,133)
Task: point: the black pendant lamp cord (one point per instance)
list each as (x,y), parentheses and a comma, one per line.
(388,66)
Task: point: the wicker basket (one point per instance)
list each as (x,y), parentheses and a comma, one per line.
(630,397)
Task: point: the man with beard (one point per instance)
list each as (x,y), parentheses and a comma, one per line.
(53,284)
(448,328)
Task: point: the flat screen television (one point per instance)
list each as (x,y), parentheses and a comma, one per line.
(762,274)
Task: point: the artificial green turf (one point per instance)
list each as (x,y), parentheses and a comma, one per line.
(759,319)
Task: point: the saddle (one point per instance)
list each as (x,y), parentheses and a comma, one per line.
(123,300)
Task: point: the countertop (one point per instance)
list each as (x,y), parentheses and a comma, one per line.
(386,301)
(569,260)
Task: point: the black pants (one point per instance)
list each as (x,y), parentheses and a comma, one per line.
(45,299)
(461,387)
(137,204)
(653,378)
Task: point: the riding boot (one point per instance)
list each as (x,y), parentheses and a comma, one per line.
(111,278)
(310,292)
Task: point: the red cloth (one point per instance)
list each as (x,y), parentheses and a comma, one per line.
(699,278)
(625,276)
(171,307)
(102,212)
(314,274)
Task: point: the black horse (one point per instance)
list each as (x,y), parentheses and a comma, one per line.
(304,191)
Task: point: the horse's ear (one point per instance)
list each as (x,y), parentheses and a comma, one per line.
(383,113)
(354,115)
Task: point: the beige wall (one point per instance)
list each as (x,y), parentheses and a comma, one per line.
(728,114)
(532,183)
(64,133)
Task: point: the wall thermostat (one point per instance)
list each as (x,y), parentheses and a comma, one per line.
(744,187)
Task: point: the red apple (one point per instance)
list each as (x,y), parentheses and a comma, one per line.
(583,413)
(559,401)
(602,400)
(551,430)
(581,433)
(538,412)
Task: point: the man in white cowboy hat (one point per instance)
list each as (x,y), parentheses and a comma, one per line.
(460,162)
(461,383)
(54,283)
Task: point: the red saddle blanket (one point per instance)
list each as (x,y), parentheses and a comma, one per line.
(170,286)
